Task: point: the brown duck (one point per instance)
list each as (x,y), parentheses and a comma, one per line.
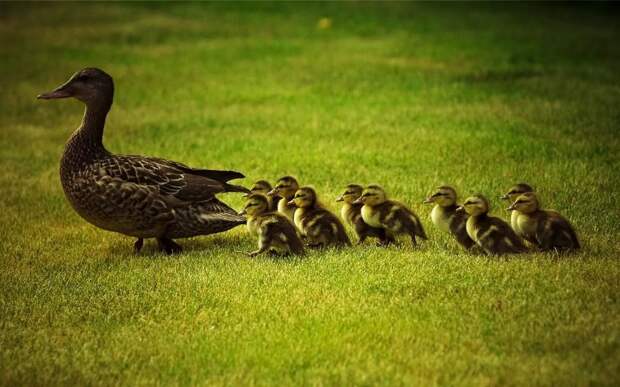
(143,197)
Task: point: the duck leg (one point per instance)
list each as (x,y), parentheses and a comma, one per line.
(138,245)
(168,246)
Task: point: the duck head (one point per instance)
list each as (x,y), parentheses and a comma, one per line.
(526,203)
(285,187)
(305,197)
(373,195)
(351,193)
(90,85)
(261,186)
(515,191)
(443,196)
(256,204)
(476,205)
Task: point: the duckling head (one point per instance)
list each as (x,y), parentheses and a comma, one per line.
(373,195)
(444,196)
(351,194)
(476,205)
(285,187)
(515,191)
(89,85)
(305,197)
(261,186)
(526,203)
(256,204)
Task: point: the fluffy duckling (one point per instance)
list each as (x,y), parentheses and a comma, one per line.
(351,212)
(394,217)
(263,187)
(286,188)
(513,193)
(546,229)
(275,232)
(492,234)
(447,216)
(320,227)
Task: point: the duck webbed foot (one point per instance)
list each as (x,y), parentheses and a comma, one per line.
(137,247)
(168,246)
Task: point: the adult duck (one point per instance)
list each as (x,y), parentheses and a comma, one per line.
(143,197)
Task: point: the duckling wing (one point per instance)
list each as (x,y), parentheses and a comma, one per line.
(170,178)
(278,227)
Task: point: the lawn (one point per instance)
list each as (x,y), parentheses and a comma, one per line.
(410,96)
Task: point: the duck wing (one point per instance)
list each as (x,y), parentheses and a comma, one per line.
(170,178)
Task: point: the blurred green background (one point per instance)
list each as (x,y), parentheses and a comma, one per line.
(407,95)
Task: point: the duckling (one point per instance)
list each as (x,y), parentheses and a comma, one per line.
(320,227)
(263,186)
(275,232)
(286,188)
(352,213)
(394,217)
(513,193)
(492,234)
(546,229)
(447,217)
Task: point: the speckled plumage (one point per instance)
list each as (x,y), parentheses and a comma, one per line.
(144,197)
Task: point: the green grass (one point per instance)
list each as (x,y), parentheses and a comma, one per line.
(406,95)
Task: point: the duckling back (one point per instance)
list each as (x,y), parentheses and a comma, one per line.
(320,227)
(494,235)
(277,233)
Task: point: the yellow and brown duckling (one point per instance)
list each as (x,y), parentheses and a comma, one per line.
(546,229)
(318,226)
(513,193)
(285,188)
(447,216)
(351,212)
(276,234)
(263,187)
(394,217)
(492,234)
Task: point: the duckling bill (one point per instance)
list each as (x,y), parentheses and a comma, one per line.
(320,227)
(492,234)
(276,234)
(546,229)
(351,212)
(447,216)
(380,212)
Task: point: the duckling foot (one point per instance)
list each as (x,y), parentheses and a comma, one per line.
(168,246)
(138,245)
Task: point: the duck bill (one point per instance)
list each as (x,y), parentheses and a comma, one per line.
(273,192)
(358,201)
(511,208)
(504,197)
(428,200)
(460,208)
(291,202)
(61,91)
(243,212)
(340,199)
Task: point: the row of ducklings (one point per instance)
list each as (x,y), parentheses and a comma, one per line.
(287,215)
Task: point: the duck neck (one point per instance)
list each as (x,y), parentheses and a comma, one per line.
(87,141)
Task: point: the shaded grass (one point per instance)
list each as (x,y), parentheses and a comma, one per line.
(407,95)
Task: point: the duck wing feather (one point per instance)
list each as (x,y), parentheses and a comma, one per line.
(171,178)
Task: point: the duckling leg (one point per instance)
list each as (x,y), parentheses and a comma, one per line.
(138,245)
(413,241)
(168,246)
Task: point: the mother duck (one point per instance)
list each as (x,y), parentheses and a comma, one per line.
(143,197)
